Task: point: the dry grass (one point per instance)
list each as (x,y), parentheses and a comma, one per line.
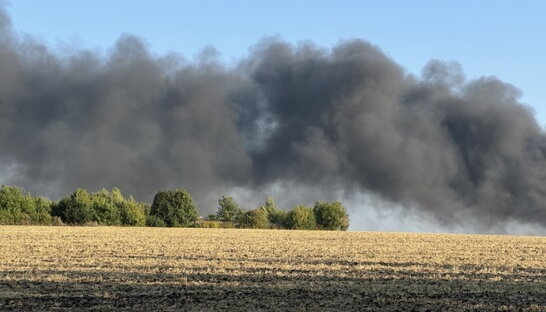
(151,269)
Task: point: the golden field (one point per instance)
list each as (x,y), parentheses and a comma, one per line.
(159,269)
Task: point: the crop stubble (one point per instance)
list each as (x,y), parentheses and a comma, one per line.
(105,268)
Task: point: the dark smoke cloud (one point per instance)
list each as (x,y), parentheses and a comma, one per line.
(347,118)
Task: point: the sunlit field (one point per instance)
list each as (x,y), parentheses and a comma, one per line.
(164,269)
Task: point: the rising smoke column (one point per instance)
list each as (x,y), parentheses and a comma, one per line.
(437,141)
(344,118)
(129,119)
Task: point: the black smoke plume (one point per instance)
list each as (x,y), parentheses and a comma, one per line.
(347,118)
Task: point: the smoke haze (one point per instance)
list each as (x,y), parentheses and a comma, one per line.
(300,122)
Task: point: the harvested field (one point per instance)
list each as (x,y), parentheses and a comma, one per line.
(158,269)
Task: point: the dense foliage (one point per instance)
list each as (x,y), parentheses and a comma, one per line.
(19,207)
(253,219)
(175,208)
(301,218)
(170,208)
(103,207)
(228,209)
(331,216)
(323,216)
(276,216)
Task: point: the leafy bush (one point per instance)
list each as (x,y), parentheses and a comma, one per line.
(6,217)
(174,208)
(42,211)
(75,209)
(13,198)
(276,216)
(212,217)
(209,224)
(331,216)
(253,219)
(155,221)
(101,208)
(56,221)
(301,218)
(228,209)
(105,207)
(19,207)
(132,213)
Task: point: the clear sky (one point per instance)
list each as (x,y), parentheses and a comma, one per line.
(506,39)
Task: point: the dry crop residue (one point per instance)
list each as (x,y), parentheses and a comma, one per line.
(157,269)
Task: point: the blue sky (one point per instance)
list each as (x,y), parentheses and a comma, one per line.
(506,39)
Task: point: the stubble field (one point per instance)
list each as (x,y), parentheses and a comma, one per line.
(157,269)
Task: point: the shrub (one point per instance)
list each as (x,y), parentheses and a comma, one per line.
(331,216)
(211,217)
(17,207)
(172,208)
(209,224)
(132,213)
(56,221)
(276,216)
(6,217)
(91,223)
(13,199)
(175,208)
(102,208)
(227,225)
(227,210)
(254,219)
(75,209)
(105,207)
(154,221)
(42,211)
(301,218)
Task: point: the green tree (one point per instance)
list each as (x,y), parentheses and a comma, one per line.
(227,210)
(276,216)
(132,212)
(42,211)
(212,217)
(75,209)
(16,206)
(331,216)
(175,208)
(253,219)
(154,221)
(20,207)
(12,198)
(301,218)
(106,206)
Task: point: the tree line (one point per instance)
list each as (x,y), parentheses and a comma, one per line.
(170,208)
